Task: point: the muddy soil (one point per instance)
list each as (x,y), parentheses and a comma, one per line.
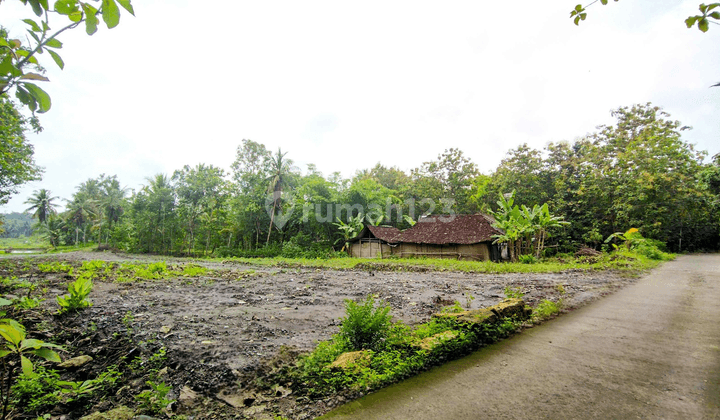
(221,329)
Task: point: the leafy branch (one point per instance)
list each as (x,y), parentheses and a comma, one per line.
(15,58)
(703,21)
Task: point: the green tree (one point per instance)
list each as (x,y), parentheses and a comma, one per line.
(280,173)
(16,153)
(19,65)
(42,205)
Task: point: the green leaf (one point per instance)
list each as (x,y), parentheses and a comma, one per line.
(66,7)
(27,366)
(36,6)
(4,353)
(691,21)
(46,27)
(34,76)
(127,6)
(58,60)
(47,354)
(703,8)
(715,15)
(12,334)
(44,4)
(604,2)
(53,43)
(91,20)
(110,13)
(24,97)
(34,26)
(40,96)
(34,36)
(5,302)
(76,16)
(704,25)
(30,343)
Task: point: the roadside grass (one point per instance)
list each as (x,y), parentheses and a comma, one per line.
(619,260)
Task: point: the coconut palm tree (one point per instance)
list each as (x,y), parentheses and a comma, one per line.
(41,204)
(280,170)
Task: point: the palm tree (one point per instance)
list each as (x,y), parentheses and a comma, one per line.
(42,205)
(80,212)
(280,170)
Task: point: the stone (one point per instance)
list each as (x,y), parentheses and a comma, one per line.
(351,358)
(165,329)
(505,309)
(187,396)
(431,342)
(119,413)
(75,362)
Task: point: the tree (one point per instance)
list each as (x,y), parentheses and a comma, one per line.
(16,153)
(280,172)
(19,64)
(41,205)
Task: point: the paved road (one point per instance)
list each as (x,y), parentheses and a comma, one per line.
(649,351)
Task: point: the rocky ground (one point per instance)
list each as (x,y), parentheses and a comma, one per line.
(223,331)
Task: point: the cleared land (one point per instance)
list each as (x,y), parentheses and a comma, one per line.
(225,329)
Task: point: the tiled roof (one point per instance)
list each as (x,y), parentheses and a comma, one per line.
(386,233)
(463,229)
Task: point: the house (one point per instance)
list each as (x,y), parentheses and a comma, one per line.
(460,236)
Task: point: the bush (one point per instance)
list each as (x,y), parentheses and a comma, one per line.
(366,326)
(527,259)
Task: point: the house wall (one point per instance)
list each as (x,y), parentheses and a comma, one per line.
(474,252)
(370,250)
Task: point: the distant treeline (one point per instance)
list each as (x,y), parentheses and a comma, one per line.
(15,225)
(637,173)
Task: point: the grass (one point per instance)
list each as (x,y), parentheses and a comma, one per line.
(24,242)
(623,260)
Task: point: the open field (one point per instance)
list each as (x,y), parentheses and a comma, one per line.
(222,328)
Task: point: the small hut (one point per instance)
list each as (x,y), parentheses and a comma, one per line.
(460,236)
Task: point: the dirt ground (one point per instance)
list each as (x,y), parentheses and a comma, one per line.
(221,328)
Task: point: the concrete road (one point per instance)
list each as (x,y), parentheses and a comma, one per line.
(649,351)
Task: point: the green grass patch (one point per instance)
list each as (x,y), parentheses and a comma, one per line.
(381,353)
(621,260)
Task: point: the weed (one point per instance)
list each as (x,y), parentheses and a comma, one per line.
(193,270)
(365,326)
(27,302)
(77,299)
(468,300)
(154,401)
(560,288)
(546,309)
(515,293)
(453,309)
(55,267)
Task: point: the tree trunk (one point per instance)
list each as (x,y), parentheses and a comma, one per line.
(272,220)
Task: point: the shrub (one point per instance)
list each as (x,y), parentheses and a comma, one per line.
(77,299)
(527,259)
(511,293)
(366,326)
(546,309)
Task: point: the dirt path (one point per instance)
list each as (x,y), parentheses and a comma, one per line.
(650,351)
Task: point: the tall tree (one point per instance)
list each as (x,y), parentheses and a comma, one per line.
(16,153)
(41,205)
(280,173)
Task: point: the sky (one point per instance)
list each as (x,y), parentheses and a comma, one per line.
(345,85)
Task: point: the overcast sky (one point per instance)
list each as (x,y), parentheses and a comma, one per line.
(347,85)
